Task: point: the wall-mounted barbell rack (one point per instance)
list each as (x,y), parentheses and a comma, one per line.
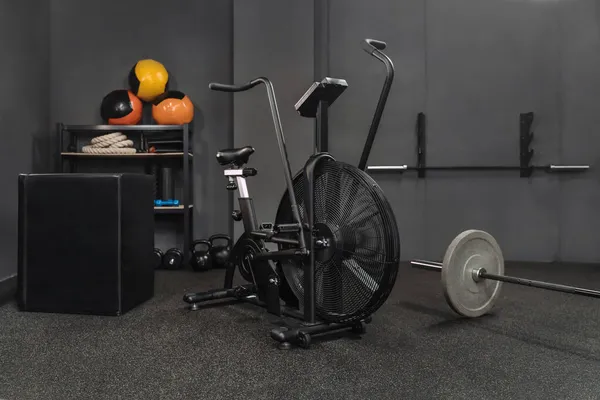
(525,155)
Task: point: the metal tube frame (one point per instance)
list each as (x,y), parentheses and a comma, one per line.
(287,171)
(374,48)
(322,128)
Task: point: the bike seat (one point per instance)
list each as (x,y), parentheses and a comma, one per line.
(237,157)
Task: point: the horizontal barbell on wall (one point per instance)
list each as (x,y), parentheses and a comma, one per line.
(545,168)
(525,155)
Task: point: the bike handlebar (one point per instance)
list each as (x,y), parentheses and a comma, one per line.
(222,87)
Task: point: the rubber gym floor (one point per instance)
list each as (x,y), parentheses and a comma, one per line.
(536,345)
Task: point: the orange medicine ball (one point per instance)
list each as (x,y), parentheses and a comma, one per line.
(172,108)
(121,107)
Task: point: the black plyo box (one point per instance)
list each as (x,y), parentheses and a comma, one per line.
(86,242)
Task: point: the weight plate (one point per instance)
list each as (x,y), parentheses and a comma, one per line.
(158,258)
(469,251)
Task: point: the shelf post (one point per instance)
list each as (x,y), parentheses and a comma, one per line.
(59,137)
(186,193)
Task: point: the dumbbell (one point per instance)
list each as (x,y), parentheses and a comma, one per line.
(158,258)
(173,259)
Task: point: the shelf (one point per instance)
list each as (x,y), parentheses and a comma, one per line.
(106,128)
(171,209)
(146,155)
(72,137)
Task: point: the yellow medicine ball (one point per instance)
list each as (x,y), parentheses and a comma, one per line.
(148,79)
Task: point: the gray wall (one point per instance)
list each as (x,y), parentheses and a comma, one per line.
(484,67)
(23,110)
(93,48)
(579,40)
(471,72)
(401,25)
(472,67)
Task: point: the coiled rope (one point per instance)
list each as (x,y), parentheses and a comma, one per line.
(111,143)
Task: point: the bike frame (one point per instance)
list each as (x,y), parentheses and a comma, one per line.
(251,227)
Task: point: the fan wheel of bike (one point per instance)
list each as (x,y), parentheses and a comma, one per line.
(356,272)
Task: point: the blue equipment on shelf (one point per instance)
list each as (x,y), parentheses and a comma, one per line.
(170,202)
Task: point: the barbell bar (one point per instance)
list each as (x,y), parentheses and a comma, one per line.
(473,273)
(552,168)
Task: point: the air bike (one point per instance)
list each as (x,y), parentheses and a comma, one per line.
(337,240)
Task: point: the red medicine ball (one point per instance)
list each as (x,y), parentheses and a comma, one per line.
(121,107)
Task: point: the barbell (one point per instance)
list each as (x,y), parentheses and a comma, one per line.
(551,168)
(473,273)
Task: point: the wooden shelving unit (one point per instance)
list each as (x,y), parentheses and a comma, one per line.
(71,138)
(74,154)
(171,210)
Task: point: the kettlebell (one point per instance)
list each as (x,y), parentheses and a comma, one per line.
(158,258)
(220,251)
(201,257)
(173,259)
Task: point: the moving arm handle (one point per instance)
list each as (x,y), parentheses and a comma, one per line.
(371,44)
(374,47)
(222,87)
(287,170)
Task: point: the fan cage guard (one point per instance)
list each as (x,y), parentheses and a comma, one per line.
(359,275)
